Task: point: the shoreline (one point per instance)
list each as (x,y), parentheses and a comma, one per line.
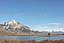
(31,41)
(25,34)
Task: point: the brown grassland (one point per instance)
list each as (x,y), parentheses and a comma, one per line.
(33,41)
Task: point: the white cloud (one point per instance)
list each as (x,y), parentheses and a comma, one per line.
(54,23)
(49,27)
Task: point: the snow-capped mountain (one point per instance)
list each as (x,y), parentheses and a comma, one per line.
(57,32)
(14,26)
(13,22)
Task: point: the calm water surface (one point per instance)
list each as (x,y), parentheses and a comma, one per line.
(32,38)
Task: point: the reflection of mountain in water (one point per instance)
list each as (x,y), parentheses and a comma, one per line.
(32,38)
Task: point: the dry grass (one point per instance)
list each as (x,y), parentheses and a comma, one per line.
(19,41)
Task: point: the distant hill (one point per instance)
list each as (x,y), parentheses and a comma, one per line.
(57,32)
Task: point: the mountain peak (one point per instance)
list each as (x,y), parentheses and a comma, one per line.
(13,21)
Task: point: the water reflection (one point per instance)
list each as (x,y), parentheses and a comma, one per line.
(32,38)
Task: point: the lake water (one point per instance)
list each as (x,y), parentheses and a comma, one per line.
(32,38)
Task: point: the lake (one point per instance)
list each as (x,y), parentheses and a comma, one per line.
(36,38)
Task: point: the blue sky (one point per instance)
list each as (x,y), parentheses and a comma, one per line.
(35,13)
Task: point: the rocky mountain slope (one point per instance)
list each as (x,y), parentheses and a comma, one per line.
(15,28)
